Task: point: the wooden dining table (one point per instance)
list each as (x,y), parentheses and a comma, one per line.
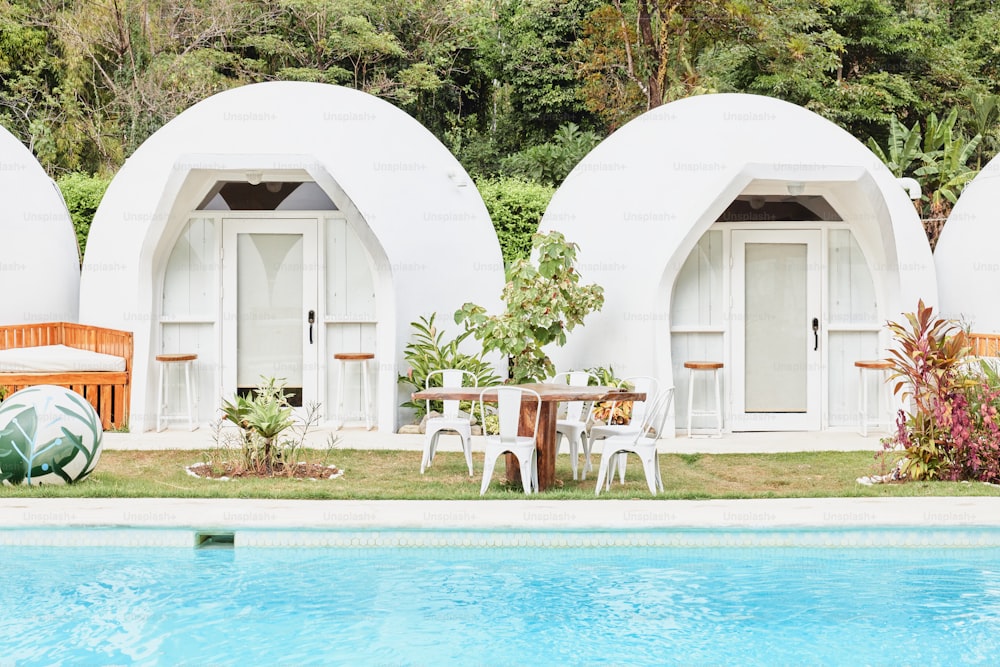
(545,441)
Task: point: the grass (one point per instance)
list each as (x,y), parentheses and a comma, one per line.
(388,475)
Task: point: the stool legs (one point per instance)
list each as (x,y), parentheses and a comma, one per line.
(340,395)
(718,405)
(863,403)
(161,405)
(368,397)
(717,413)
(366,389)
(690,400)
(190,395)
(163,392)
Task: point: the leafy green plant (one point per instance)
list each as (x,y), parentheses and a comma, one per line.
(902,149)
(262,416)
(428,351)
(946,156)
(939,158)
(543,304)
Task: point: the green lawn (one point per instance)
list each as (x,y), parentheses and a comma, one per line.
(373,474)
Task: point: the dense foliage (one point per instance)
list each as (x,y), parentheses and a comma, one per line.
(512,87)
(950,428)
(82,195)
(516,207)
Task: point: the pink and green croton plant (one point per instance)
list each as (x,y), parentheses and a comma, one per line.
(949,428)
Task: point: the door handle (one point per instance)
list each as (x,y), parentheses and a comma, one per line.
(312,320)
(815,334)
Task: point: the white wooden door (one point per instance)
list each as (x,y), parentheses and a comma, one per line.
(270,323)
(776,377)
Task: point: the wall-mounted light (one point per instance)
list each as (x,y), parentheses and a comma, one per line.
(756,203)
(795,188)
(273,186)
(254,177)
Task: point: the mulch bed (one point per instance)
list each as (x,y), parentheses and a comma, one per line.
(295,471)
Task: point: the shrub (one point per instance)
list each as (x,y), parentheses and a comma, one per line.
(82,195)
(428,351)
(951,428)
(516,207)
(264,418)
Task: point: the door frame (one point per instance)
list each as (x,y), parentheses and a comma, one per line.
(812,418)
(309,228)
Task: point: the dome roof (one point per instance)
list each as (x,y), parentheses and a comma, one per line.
(39,258)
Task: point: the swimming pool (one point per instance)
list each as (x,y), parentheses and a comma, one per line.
(691,597)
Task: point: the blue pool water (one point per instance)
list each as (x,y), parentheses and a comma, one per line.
(760,605)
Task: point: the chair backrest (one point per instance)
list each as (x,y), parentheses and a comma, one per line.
(451,377)
(646,384)
(509,409)
(575,410)
(656,415)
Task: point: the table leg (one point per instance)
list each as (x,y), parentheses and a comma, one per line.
(545,443)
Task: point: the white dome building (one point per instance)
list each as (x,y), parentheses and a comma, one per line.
(968,268)
(39,257)
(272,226)
(748,231)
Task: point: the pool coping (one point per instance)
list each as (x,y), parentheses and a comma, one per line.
(522,515)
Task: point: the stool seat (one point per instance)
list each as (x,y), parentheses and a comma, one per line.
(874,364)
(187,359)
(879,366)
(714,367)
(703,365)
(168,358)
(343,358)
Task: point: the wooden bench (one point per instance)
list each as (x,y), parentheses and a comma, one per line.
(983,345)
(107,391)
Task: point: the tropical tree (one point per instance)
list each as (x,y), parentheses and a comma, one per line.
(946,156)
(543,304)
(637,54)
(902,150)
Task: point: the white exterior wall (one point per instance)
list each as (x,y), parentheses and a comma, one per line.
(414,208)
(641,200)
(968,267)
(39,258)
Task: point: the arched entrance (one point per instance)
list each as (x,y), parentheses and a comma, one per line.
(779,290)
(267,280)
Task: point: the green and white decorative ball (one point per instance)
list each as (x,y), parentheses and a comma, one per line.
(48,435)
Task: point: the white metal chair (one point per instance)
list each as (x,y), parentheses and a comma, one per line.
(507,440)
(642,383)
(641,442)
(572,423)
(451,420)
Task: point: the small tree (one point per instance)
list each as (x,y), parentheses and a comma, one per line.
(544,303)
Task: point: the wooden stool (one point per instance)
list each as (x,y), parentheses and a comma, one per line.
(714,367)
(161,397)
(364,358)
(880,366)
